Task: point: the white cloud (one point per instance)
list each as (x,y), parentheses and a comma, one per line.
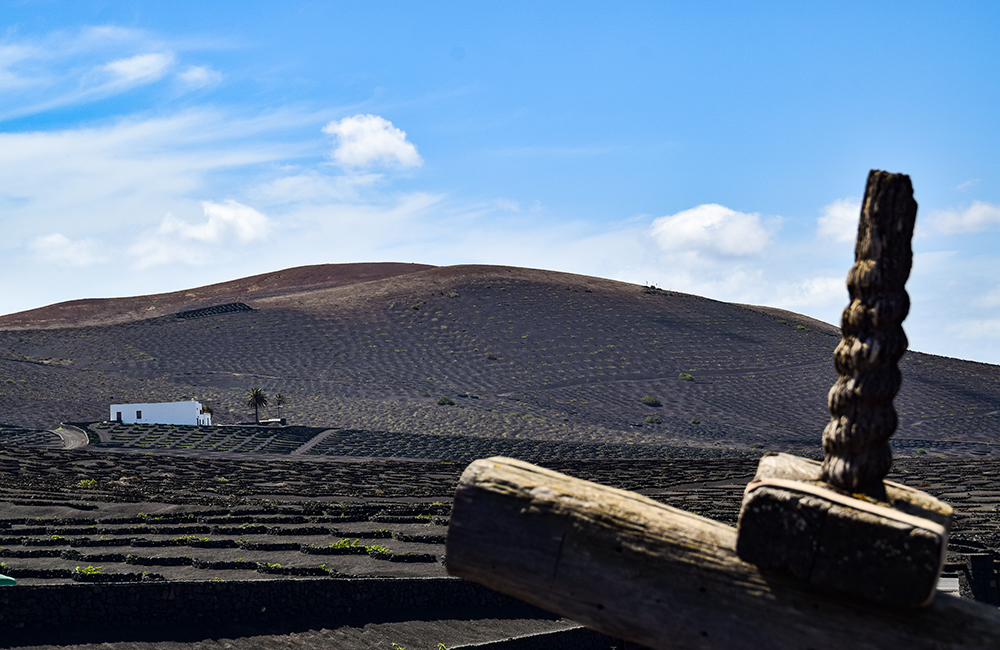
(199,76)
(155,251)
(508,206)
(60,250)
(108,177)
(368,140)
(811,293)
(967,184)
(100,36)
(711,228)
(225,221)
(70,87)
(987,330)
(142,68)
(366,228)
(839,220)
(68,67)
(988,299)
(312,186)
(11,55)
(975,218)
(177,241)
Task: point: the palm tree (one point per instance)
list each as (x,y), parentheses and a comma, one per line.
(256,398)
(279,401)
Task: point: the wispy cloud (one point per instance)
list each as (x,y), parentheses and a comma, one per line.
(711,228)
(562,152)
(369,140)
(982,329)
(975,218)
(101,81)
(68,68)
(139,69)
(810,293)
(312,186)
(967,184)
(989,299)
(150,251)
(11,56)
(126,172)
(196,77)
(838,221)
(508,205)
(59,250)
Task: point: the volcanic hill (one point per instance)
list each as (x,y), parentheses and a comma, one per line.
(523,354)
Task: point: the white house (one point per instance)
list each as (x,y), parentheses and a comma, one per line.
(161,413)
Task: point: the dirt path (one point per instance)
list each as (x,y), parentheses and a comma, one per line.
(72,437)
(312,443)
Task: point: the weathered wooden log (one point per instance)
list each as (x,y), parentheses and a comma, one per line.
(888,551)
(633,568)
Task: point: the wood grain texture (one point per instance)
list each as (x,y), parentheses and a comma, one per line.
(634,568)
(862,416)
(887,552)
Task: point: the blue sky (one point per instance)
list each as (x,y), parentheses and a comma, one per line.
(719,149)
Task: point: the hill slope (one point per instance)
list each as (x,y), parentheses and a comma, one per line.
(523,353)
(109,311)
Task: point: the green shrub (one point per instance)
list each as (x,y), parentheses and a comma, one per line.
(654,419)
(445,401)
(695,421)
(491,356)
(649,400)
(87,482)
(685,377)
(345,543)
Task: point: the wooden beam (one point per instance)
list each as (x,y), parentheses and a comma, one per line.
(631,567)
(888,551)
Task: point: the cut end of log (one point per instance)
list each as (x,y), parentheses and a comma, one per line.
(888,552)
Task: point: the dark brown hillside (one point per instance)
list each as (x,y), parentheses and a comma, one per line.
(524,354)
(108,311)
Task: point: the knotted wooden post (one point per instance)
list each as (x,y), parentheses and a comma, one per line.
(839,526)
(862,417)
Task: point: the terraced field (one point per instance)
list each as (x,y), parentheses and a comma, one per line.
(163,516)
(316,441)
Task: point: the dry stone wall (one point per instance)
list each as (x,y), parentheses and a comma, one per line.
(47,606)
